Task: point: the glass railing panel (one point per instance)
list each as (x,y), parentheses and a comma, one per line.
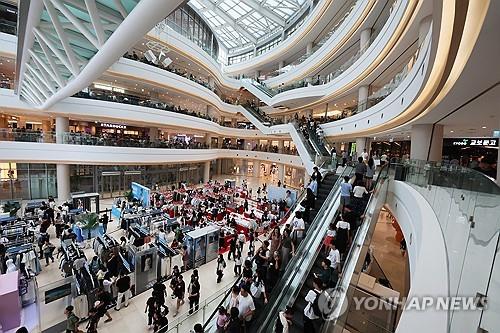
(21,135)
(185,321)
(467,205)
(339,311)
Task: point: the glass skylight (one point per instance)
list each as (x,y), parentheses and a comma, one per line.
(240,23)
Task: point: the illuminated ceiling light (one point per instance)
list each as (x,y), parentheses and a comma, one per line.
(452,131)
(484,127)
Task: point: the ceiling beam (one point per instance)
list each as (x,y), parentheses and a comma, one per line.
(229,20)
(266,12)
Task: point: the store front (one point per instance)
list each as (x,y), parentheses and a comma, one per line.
(391,148)
(27,181)
(111,130)
(468,151)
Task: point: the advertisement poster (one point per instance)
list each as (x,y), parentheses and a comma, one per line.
(141,193)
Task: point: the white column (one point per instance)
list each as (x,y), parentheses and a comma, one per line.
(211,111)
(426,142)
(153,134)
(364,39)
(206,172)
(280,145)
(281,173)
(63,192)
(360,145)
(423,28)
(281,64)
(257,75)
(208,140)
(211,82)
(62,127)
(309,47)
(255,51)
(362,97)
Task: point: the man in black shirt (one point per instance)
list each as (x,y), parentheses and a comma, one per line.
(123,285)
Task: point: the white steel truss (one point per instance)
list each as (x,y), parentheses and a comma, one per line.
(240,23)
(64,36)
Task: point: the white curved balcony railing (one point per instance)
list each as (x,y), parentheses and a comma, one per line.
(355,71)
(325,48)
(393,104)
(321,16)
(105,155)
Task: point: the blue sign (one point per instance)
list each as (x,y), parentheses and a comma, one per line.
(141,193)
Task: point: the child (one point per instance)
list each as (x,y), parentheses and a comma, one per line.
(221,319)
(237,264)
(330,236)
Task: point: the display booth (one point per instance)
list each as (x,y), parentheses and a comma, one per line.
(279,193)
(86,201)
(167,259)
(202,245)
(141,193)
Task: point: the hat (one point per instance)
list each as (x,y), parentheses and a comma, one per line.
(69,308)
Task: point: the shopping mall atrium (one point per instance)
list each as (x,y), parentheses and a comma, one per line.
(249,166)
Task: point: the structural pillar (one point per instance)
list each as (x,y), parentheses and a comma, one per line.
(208,140)
(62,127)
(362,98)
(211,82)
(423,28)
(63,188)
(281,173)
(427,142)
(309,48)
(280,145)
(206,172)
(257,75)
(360,145)
(46,126)
(364,39)
(281,64)
(153,134)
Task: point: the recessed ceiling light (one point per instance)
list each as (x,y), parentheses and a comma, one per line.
(483,127)
(452,131)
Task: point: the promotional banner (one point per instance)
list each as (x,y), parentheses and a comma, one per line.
(279,193)
(141,193)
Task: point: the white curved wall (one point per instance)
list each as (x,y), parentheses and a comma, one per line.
(355,71)
(102,155)
(427,257)
(392,106)
(337,38)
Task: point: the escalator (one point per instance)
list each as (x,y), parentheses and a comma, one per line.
(291,291)
(325,206)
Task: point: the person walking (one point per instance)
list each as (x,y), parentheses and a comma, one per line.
(151,308)
(237,264)
(221,264)
(194,294)
(48,249)
(160,293)
(232,247)
(123,285)
(72,321)
(360,169)
(93,320)
(180,290)
(105,221)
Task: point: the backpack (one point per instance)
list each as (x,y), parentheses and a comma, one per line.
(315,305)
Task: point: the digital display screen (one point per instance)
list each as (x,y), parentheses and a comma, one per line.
(57,293)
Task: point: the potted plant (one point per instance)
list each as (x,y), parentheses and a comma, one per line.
(90,223)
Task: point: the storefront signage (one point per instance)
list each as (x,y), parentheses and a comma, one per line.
(492,142)
(118,126)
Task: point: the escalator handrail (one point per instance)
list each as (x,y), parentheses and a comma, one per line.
(268,314)
(383,174)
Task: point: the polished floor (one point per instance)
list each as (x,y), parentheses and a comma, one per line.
(133,318)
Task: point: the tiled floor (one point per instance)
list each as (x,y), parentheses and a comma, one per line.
(133,319)
(386,251)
